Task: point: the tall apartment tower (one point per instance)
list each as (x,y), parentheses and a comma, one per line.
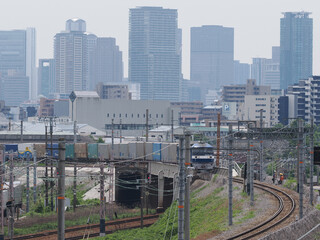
(71,58)
(155,52)
(295,48)
(107,64)
(212,57)
(17,59)
(46,77)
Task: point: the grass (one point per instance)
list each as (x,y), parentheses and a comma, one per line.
(208,215)
(290,183)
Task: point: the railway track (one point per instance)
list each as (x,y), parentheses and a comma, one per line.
(92,230)
(286,208)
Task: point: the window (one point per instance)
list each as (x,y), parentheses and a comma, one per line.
(108,114)
(126,115)
(161,115)
(114,115)
(119,115)
(157,115)
(138,115)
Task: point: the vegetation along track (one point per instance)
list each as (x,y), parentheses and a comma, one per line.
(92,230)
(286,208)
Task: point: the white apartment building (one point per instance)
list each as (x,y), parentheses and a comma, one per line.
(252,105)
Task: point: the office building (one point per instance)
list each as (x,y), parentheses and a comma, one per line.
(46,77)
(241,72)
(14,89)
(155,52)
(113,91)
(296,45)
(267,71)
(107,62)
(212,57)
(71,57)
(17,59)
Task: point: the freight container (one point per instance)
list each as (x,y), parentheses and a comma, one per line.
(54,152)
(156,152)
(69,151)
(40,149)
(115,151)
(123,151)
(25,150)
(148,151)
(140,150)
(104,151)
(173,153)
(164,152)
(132,150)
(93,151)
(11,147)
(80,150)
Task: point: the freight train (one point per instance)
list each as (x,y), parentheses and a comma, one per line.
(91,152)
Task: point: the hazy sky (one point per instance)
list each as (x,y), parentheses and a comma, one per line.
(256,22)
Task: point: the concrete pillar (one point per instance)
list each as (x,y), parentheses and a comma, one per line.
(160,192)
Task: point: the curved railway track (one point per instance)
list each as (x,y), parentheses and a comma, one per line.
(286,208)
(92,230)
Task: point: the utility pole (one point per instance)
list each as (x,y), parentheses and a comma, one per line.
(301,136)
(1,193)
(11,197)
(181,189)
(261,146)
(251,176)
(61,189)
(311,162)
(102,201)
(120,130)
(21,131)
(248,166)
(230,174)
(46,171)
(187,192)
(218,141)
(34,176)
(112,137)
(28,183)
(75,168)
(172,137)
(141,199)
(51,164)
(147,125)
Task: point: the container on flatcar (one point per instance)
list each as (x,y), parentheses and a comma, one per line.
(132,148)
(93,151)
(156,152)
(69,151)
(54,150)
(11,147)
(123,151)
(41,149)
(104,151)
(80,150)
(140,150)
(169,152)
(148,151)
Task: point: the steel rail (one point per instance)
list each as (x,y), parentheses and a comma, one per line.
(276,214)
(84,227)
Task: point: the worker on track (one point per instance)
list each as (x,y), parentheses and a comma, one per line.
(281,178)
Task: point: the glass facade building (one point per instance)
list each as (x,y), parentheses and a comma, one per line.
(212,57)
(155,52)
(296,45)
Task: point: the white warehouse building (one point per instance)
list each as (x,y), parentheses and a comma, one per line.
(127,115)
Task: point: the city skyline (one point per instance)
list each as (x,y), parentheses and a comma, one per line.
(111,20)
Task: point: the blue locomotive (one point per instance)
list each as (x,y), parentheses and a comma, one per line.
(202,156)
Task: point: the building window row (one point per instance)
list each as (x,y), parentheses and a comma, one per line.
(126,115)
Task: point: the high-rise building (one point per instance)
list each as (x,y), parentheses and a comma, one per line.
(17,58)
(267,71)
(155,52)
(46,77)
(241,72)
(107,65)
(71,57)
(212,56)
(14,90)
(296,41)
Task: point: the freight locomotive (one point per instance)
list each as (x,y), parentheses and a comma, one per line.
(202,156)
